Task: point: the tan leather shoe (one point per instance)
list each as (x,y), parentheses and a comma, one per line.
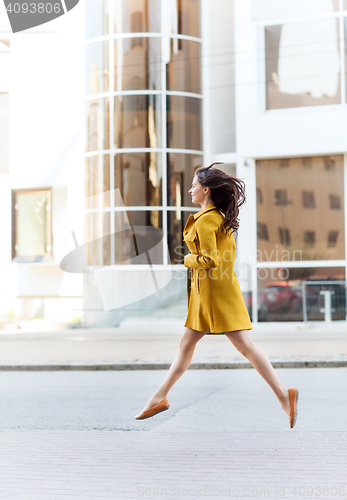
(293,397)
(157,408)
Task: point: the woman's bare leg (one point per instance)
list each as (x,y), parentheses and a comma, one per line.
(259,359)
(179,365)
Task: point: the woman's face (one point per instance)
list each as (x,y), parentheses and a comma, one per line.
(197,191)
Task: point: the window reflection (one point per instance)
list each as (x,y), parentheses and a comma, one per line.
(137,121)
(180,173)
(293,294)
(97,124)
(137,16)
(139,178)
(184,122)
(274,9)
(137,64)
(176,220)
(183,69)
(298,209)
(97,237)
(302,64)
(140,238)
(97,181)
(96,18)
(182,17)
(96,68)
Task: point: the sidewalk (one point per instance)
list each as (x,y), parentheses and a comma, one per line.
(152,342)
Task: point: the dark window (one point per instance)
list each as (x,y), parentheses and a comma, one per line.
(307,162)
(308,199)
(259,196)
(284,235)
(280,196)
(284,163)
(309,238)
(332,238)
(335,201)
(329,163)
(262,231)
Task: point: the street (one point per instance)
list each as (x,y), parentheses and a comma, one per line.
(73,434)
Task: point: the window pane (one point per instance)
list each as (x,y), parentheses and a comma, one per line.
(32,224)
(180,173)
(97,124)
(176,220)
(183,17)
(137,121)
(97,181)
(285,9)
(183,69)
(96,68)
(96,18)
(144,240)
(138,176)
(289,229)
(97,237)
(287,294)
(302,64)
(137,64)
(184,122)
(136,17)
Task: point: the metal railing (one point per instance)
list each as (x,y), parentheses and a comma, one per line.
(324,298)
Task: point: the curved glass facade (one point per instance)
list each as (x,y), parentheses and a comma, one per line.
(143,133)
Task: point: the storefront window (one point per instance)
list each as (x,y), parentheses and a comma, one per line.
(302,64)
(183,69)
(32,219)
(140,238)
(97,124)
(183,17)
(96,68)
(97,238)
(137,121)
(139,178)
(137,64)
(180,172)
(294,294)
(137,17)
(275,9)
(176,220)
(97,179)
(301,216)
(184,122)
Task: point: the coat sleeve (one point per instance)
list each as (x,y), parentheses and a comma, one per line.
(207,228)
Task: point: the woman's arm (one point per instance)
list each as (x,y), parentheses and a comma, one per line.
(207,228)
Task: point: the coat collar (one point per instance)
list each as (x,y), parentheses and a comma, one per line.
(207,209)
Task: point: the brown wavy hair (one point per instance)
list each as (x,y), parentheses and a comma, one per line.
(227,194)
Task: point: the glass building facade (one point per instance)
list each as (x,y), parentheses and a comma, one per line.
(143,116)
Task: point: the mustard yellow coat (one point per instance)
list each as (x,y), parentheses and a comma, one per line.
(215,301)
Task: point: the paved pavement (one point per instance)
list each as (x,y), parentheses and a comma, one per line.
(153,342)
(68,435)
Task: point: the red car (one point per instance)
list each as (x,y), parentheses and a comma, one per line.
(280,296)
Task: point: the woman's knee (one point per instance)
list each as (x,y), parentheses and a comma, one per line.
(241,341)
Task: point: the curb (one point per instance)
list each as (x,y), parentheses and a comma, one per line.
(166,366)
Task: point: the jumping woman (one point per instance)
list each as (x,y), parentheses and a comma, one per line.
(215,301)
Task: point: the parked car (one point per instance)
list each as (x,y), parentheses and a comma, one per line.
(279,297)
